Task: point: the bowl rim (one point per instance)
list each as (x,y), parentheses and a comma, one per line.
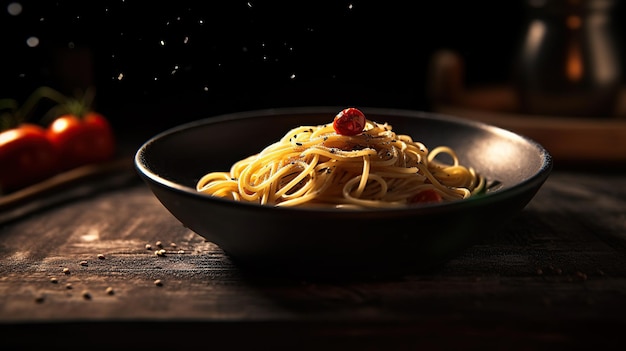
(534,181)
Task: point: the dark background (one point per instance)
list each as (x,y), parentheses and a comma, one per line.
(159,64)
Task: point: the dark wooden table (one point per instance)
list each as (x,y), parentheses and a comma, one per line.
(85,273)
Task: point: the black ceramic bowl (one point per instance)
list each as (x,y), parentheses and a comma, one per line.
(327,241)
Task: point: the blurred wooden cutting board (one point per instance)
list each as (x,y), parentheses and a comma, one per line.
(569,140)
(566,139)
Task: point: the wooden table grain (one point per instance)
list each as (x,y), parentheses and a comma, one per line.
(87,273)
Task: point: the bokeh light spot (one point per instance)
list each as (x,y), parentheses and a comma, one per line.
(14,8)
(32,42)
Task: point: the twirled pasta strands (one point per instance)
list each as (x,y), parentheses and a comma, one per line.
(315,166)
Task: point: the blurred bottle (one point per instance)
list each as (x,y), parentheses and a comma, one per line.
(569,58)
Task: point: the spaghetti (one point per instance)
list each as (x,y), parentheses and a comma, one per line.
(317,166)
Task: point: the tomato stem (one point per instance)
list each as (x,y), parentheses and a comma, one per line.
(8,104)
(16,115)
(11,118)
(35,98)
(64,104)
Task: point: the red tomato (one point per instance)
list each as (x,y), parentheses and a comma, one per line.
(82,140)
(26,156)
(426,196)
(349,121)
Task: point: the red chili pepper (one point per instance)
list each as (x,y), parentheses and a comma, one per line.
(349,121)
(426,196)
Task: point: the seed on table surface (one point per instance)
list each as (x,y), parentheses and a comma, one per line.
(68,286)
(158,282)
(54,280)
(101,256)
(159,244)
(86,295)
(83,263)
(109,291)
(160,252)
(148,247)
(173,245)
(66,270)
